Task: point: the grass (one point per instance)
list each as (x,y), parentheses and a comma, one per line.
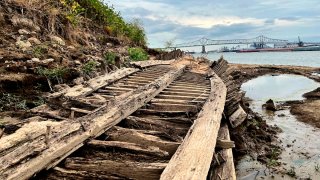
(137,54)
(39,51)
(110,57)
(10,101)
(89,67)
(55,74)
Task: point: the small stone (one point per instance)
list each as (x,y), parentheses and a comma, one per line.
(109,44)
(23,32)
(47,61)
(57,40)
(270,105)
(24,45)
(78,80)
(34,41)
(77,62)
(71,48)
(35,60)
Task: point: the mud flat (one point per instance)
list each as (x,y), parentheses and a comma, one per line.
(298,156)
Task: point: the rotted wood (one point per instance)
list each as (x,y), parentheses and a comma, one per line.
(157,124)
(62,173)
(143,64)
(223,166)
(94,84)
(193,158)
(133,136)
(150,150)
(238,117)
(67,136)
(125,169)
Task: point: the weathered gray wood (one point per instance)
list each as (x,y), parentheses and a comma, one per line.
(238,117)
(127,169)
(225,144)
(61,173)
(95,124)
(226,169)
(143,64)
(150,150)
(96,83)
(193,158)
(132,136)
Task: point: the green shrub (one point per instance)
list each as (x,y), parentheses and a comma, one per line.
(56,74)
(138,54)
(110,57)
(89,67)
(112,21)
(10,101)
(39,51)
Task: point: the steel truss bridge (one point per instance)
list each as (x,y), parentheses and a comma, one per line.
(258,42)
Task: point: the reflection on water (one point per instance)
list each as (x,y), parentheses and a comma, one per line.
(299,141)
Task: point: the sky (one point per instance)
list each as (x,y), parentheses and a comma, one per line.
(188,20)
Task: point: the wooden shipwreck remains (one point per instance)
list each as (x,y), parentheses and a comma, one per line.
(42,145)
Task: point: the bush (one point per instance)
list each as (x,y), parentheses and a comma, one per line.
(110,57)
(53,74)
(89,67)
(138,54)
(112,21)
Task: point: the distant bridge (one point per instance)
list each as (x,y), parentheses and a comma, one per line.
(258,42)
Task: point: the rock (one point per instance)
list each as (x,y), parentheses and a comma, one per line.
(109,45)
(47,61)
(78,80)
(57,40)
(23,32)
(281,115)
(77,62)
(71,48)
(270,105)
(24,45)
(34,41)
(35,60)
(65,62)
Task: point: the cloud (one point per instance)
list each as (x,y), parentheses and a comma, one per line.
(188,20)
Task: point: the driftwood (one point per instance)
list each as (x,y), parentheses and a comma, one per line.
(225,169)
(143,64)
(125,169)
(193,158)
(67,136)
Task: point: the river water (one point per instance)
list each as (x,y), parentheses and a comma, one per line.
(298,58)
(301,147)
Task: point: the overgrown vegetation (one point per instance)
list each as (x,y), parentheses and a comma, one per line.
(89,67)
(39,51)
(106,16)
(110,57)
(55,74)
(10,101)
(137,54)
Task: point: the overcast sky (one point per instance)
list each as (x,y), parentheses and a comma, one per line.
(188,20)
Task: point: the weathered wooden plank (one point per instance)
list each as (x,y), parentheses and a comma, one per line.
(132,136)
(193,158)
(226,169)
(143,64)
(238,117)
(126,169)
(150,150)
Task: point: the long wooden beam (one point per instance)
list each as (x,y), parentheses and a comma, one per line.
(193,158)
